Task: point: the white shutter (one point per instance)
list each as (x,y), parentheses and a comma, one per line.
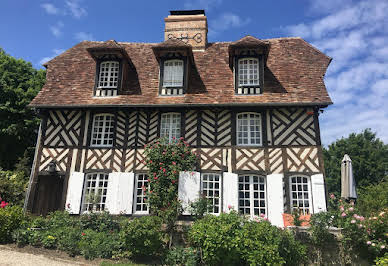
(318,191)
(119,197)
(230,192)
(275,198)
(188,189)
(74,192)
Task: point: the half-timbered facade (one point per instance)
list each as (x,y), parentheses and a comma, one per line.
(248,108)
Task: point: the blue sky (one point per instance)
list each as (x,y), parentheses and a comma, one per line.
(354,33)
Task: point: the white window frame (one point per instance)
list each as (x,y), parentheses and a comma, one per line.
(106,72)
(170,130)
(249,132)
(250,67)
(252,192)
(210,188)
(304,210)
(105,130)
(173,72)
(101,177)
(142,196)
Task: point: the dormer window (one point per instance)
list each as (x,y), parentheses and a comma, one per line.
(175,59)
(109,75)
(111,62)
(247,58)
(173,73)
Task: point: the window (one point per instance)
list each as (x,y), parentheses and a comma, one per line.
(95,189)
(249,129)
(103,130)
(251,195)
(173,73)
(211,188)
(300,194)
(170,126)
(108,75)
(248,77)
(141,205)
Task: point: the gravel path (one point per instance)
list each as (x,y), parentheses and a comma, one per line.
(10,256)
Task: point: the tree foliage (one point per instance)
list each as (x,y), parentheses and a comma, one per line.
(19,83)
(369,159)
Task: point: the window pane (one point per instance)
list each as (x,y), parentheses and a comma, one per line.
(248,73)
(249,129)
(252,194)
(94,196)
(300,194)
(173,73)
(108,76)
(102,132)
(141,188)
(170,126)
(210,187)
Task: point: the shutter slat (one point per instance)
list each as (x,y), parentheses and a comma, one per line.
(275,199)
(318,191)
(112,204)
(74,192)
(188,189)
(230,192)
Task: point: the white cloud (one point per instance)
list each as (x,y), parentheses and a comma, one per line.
(226,21)
(50,9)
(55,52)
(82,36)
(202,4)
(356,36)
(75,8)
(56,29)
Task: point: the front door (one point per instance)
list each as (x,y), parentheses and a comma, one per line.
(49,193)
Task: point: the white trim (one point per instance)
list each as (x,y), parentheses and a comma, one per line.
(74,192)
(188,189)
(257,116)
(230,192)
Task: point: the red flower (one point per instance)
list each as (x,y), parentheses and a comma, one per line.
(156,178)
(164,170)
(150,161)
(174,163)
(173,181)
(83,233)
(3,204)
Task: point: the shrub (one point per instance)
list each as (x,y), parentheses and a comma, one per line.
(182,256)
(95,244)
(373,198)
(100,222)
(49,241)
(231,239)
(13,186)
(11,218)
(143,236)
(383,261)
(68,241)
(200,207)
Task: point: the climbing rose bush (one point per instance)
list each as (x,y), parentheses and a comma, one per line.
(165,160)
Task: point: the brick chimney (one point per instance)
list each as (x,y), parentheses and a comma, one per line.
(190,26)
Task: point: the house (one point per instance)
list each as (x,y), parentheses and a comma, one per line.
(249,107)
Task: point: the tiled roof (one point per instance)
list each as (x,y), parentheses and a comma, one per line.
(293,76)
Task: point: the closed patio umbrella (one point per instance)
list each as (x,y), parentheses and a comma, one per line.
(348,184)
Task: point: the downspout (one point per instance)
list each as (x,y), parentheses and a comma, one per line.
(33,169)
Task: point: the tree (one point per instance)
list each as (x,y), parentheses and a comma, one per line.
(19,84)
(369,159)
